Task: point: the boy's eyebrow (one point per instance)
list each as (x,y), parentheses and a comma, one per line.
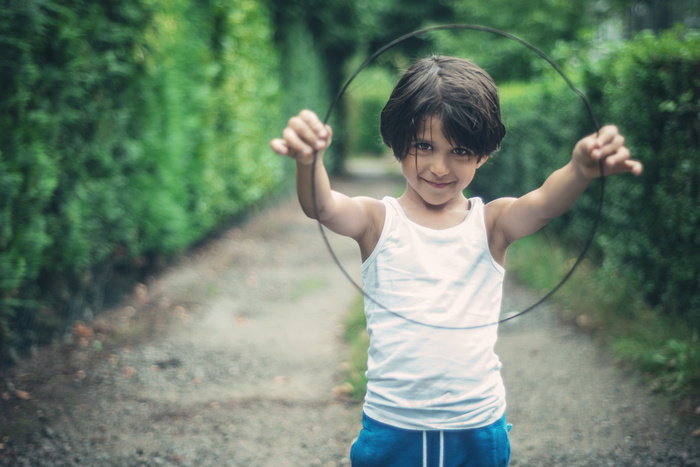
(420,140)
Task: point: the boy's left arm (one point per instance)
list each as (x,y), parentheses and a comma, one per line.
(513,218)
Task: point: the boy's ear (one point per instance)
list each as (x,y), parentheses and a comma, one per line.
(482,161)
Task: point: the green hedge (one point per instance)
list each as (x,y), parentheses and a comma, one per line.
(130,129)
(648,238)
(366,97)
(544,119)
(651,89)
(305,78)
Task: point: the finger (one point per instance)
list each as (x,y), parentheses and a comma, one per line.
(617,157)
(615,148)
(623,163)
(605,142)
(322,132)
(295,142)
(305,131)
(279,146)
(607,134)
(591,146)
(635,167)
(312,120)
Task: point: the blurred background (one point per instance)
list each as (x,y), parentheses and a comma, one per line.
(131,130)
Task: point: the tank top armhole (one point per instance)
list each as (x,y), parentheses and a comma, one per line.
(482,215)
(388,220)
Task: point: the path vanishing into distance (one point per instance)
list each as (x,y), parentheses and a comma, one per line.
(233,355)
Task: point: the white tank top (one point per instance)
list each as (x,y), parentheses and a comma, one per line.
(424,372)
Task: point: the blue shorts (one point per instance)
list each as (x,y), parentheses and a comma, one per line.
(382,445)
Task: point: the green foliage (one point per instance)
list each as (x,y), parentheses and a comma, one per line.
(306,80)
(539,262)
(356,336)
(382,21)
(212,97)
(651,89)
(130,128)
(315,39)
(672,365)
(644,277)
(366,98)
(545,23)
(62,65)
(544,120)
(662,348)
(320,39)
(648,237)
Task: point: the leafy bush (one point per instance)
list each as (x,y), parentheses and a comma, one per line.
(647,238)
(651,89)
(544,120)
(130,128)
(305,79)
(64,67)
(366,98)
(645,279)
(315,38)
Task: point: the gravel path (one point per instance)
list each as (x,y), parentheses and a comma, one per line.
(232,357)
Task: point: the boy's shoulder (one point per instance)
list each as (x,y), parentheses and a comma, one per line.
(375,214)
(495,207)
(373,206)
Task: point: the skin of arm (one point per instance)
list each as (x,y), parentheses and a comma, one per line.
(509,219)
(360,218)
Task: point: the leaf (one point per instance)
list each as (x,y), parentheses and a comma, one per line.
(82,330)
(24,395)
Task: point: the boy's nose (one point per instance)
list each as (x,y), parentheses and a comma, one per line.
(439,166)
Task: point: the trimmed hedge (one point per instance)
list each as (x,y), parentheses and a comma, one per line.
(544,119)
(305,78)
(366,98)
(130,129)
(648,239)
(651,89)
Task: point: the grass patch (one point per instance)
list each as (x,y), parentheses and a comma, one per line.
(661,348)
(310,285)
(355,365)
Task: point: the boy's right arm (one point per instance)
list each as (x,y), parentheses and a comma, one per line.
(352,217)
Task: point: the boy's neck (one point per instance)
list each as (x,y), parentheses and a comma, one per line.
(438,217)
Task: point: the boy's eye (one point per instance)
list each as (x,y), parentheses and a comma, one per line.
(422,146)
(463,152)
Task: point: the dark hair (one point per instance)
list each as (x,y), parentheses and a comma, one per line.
(458,92)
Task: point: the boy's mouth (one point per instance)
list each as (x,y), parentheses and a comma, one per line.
(437,184)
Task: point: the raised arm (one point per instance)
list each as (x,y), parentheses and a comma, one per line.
(509,219)
(353,217)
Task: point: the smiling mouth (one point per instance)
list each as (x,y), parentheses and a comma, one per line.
(437,184)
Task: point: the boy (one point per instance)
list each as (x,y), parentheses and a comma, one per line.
(433,262)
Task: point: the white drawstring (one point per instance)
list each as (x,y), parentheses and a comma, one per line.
(442,448)
(425,448)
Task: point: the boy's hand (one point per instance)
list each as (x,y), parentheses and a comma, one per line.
(304,134)
(607,144)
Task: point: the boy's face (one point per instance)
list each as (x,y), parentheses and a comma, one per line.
(437,172)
